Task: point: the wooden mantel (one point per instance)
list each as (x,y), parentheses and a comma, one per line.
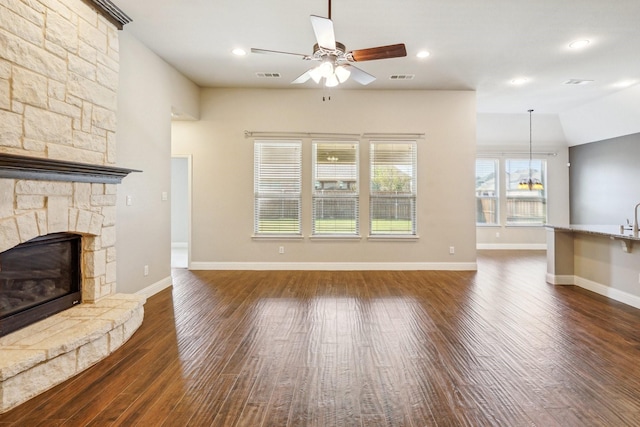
(22,167)
(110,11)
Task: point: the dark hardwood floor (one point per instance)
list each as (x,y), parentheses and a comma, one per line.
(402,348)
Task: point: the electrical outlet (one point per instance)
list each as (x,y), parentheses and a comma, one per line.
(497,234)
(129,200)
(281,250)
(164,196)
(452,250)
(146,270)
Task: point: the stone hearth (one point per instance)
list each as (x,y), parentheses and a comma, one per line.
(47,353)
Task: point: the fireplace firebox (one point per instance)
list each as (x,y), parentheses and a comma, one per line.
(39,278)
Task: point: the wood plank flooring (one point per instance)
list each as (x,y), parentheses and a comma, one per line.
(497,347)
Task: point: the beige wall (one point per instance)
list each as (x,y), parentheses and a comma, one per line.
(606,268)
(222,218)
(595,261)
(149,90)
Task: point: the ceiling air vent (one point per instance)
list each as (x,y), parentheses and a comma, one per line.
(577,82)
(402,77)
(268,75)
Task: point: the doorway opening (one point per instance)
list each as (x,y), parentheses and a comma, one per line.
(180,211)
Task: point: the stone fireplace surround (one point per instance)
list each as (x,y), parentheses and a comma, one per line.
(39,356)
(59,65)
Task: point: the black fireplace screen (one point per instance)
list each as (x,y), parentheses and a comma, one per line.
(38,278)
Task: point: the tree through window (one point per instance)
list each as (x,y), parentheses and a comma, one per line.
(393,182)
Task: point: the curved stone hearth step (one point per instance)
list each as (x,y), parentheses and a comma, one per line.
(42,355)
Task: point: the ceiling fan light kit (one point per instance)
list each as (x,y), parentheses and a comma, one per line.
(342,73)
(331,81)
(335,67)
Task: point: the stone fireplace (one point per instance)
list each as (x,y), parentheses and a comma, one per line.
(58,101)
(43,197)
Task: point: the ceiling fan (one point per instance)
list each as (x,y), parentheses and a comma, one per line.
(335,61)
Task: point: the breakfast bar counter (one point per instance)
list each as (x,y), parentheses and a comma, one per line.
(601,258)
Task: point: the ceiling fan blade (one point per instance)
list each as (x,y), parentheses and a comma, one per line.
(303,78)
(277,52)
(381,52)
(323,29)
(359,75)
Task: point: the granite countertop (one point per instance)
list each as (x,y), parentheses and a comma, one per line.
(602,230)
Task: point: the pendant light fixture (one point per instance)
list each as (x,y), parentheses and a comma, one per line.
(531,183)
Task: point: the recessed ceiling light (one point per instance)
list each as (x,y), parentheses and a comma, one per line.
(519,81)
(579,44)
(625,83)
(239,52)
(423,54)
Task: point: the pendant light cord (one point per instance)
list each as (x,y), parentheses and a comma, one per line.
(530,149)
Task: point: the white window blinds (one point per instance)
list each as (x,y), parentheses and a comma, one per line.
(335,192)
(277,187)
(392,209)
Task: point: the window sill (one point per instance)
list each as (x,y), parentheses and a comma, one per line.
(333,237)
(399,238)
(525,225)
(488,225)
(277,237)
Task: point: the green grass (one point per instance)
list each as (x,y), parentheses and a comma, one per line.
(391,226)
(337,226)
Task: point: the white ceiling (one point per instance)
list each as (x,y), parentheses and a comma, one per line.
(475,44)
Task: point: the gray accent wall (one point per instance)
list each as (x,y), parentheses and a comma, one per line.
(605,180)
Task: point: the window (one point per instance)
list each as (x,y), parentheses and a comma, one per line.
(277,187)
(393,180)
(487,192)
(335,192)
(525,207)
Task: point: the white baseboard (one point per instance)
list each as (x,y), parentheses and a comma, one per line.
(608,291)
(156,287)
(339,266)
(512,246)
(598,288)
(560,280)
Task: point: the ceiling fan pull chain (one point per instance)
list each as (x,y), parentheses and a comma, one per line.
(326,96)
